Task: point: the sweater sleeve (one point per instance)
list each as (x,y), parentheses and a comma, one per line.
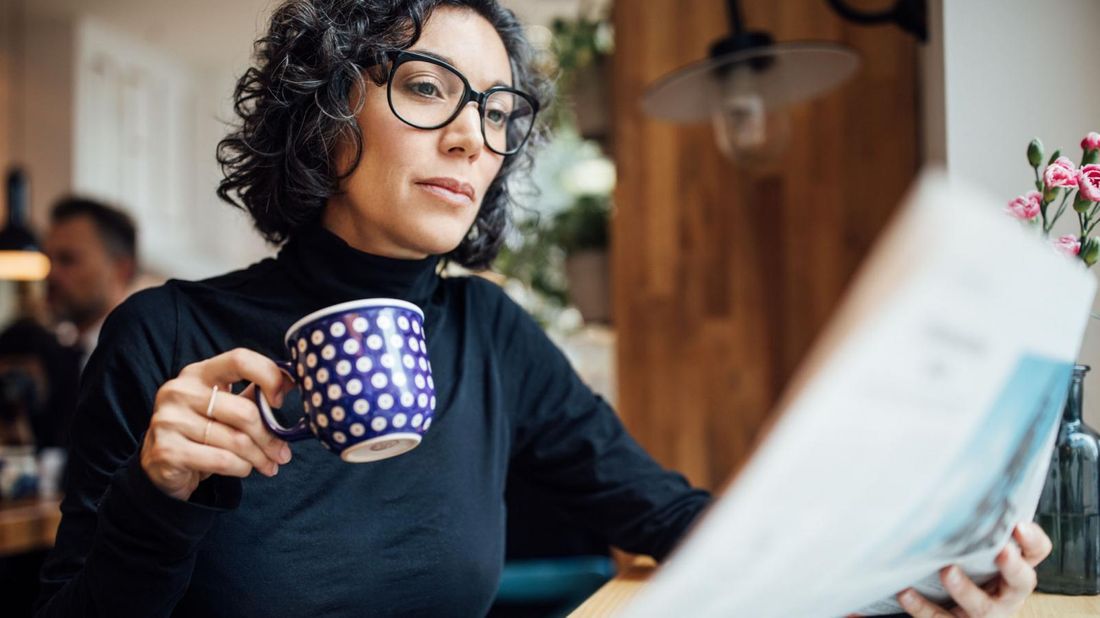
(124,548)
(570,445)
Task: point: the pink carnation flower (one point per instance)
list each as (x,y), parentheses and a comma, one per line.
(1068,245)
(1088,182)
(1091,141)
(1061,173)
(1026,207)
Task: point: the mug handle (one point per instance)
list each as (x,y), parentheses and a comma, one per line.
(290,434)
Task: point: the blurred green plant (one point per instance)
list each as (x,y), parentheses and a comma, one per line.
(577,219)
(582,226)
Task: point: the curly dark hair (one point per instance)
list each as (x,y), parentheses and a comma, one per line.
(279,164)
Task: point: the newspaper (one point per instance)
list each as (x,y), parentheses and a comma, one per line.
(916,433)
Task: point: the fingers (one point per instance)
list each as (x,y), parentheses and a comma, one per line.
(1019,576)
(240,414)
(215,460)
(920,607)
(241,364)
(1034,543)
(239,443)
(972,599)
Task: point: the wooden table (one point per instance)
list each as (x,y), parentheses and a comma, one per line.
(26,525)
(615,594)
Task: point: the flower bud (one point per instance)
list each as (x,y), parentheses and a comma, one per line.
(1091,251)
(1035,152)
(1080,204)
(1054,157)
(1091,141)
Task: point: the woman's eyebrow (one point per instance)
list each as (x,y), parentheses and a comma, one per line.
(442,58)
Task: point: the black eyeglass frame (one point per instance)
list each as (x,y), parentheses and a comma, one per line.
(399,57)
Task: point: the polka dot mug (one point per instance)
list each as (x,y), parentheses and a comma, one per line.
(365,377)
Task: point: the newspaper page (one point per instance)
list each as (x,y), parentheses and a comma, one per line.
(915,435)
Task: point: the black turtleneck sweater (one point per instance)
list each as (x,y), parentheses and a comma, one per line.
(421,534)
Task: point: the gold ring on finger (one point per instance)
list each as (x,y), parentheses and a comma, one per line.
(210,406)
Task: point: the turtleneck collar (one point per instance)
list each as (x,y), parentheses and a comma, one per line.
(332,271)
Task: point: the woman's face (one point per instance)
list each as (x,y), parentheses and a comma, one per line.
(395,203)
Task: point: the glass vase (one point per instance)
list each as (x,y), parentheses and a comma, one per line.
(1069,507)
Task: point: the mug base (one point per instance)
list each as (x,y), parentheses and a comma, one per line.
(381,447)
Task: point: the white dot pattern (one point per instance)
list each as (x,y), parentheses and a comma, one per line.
(374,365)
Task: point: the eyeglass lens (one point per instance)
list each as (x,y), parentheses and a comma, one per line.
(426,95)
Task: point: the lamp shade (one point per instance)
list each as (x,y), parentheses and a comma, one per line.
(777,75)
(20,256)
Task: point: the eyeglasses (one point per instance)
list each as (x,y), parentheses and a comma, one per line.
(427,93)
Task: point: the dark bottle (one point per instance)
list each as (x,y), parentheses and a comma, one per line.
(1069,507)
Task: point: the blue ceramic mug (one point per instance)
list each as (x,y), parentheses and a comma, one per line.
(366,381)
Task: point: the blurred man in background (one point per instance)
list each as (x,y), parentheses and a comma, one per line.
(92,251)
(93,260)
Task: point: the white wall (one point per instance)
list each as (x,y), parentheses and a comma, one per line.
(1013,70)
(46,108)
(145,121)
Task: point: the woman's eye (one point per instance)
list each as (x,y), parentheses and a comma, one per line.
(496,116)
(427,89)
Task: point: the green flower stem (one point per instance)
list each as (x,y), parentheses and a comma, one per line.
(1091,215)
(1057,214)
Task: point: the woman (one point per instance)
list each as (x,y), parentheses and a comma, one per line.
(376,137)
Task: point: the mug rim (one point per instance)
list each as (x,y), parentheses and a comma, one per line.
(362,303)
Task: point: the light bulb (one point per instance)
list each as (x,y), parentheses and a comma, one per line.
(748,130)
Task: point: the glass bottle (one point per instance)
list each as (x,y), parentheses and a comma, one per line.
(1069,507)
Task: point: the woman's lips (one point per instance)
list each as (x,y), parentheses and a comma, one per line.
(452,197)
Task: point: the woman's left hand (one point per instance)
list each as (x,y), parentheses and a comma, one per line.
(1004,596)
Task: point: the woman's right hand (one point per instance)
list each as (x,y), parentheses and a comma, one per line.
(180,450)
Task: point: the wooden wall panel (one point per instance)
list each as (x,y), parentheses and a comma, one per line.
(7,37)
(723,277)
